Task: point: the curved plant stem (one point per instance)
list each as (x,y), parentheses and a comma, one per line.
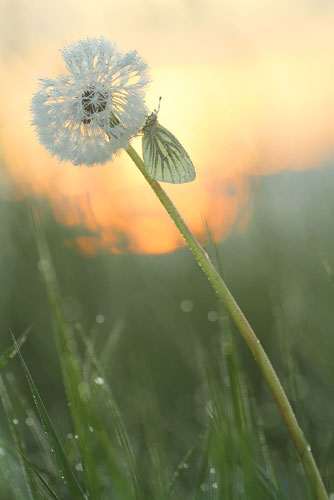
(268,372)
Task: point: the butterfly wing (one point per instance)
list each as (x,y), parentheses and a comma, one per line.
(164,157)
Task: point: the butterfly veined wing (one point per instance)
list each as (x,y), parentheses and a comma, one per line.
(165,158)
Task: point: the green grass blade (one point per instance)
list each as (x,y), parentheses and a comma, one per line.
(70,364)
(103,394)
(121,484)
(183,465)
(30,482)
(66,473)
(111,343)
(40,477)
(11,351)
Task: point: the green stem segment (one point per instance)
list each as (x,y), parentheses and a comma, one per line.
(268,372)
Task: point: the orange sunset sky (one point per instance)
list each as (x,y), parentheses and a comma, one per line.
(246,86)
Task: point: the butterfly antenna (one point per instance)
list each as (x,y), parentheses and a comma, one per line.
(156,111)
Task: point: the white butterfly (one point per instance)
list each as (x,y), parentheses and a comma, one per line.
(164,157)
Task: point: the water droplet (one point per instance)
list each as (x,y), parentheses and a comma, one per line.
(99,380)
(186,466)
(100,319)
(15,421)
(2,452)
(186,305)
(79,467)
(29,421)
(213,316)
(91,428)
(212,470)
(76,436)
(204,487)
(69,435)
(215,486)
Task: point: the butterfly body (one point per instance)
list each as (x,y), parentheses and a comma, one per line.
(164,156)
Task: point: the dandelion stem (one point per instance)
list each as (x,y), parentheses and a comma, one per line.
(268,372)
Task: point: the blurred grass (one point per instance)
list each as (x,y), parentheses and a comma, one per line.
(164,399)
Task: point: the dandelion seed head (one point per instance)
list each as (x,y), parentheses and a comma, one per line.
(90,114)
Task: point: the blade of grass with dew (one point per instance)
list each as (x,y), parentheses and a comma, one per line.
(259,430)
(180,469)
(9,411)
(241,404)
(66,473)
(103,394)
(70,364)
(119,478)
(156,468)
(38,435)
(232,448)
(40,477)
(102,398)
(11,351)
(157,479)
(10,472)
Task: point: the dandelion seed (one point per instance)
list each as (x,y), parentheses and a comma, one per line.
(90,114)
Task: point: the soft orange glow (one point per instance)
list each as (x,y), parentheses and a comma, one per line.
(251,95)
